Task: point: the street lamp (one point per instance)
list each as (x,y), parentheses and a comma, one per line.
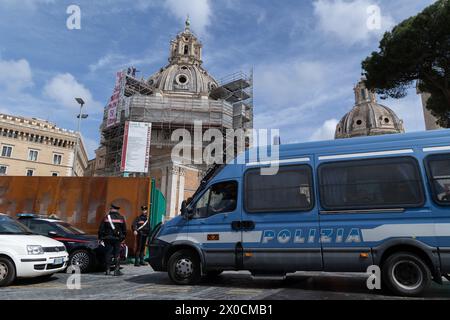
(80,117)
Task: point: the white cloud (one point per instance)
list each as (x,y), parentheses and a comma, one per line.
(25,4)
(285,82)
(348,20)
(64,88)
(261,17)
(326,131)
(117,61)
(199,12)
(107,61)
(409,109)
(296,93)
(15,75)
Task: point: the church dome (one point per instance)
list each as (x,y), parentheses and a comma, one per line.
(368,118)
(184,78)
(184,72)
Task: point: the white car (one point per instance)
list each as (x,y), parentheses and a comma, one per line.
(25,255)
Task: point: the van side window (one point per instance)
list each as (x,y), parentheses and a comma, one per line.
(371,184)
(220,198)
(439,176)
(289,190)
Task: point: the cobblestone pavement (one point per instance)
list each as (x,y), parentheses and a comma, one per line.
(143,283)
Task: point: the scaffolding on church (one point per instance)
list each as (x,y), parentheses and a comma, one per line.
(230,107)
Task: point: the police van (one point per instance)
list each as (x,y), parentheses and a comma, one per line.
(334,206)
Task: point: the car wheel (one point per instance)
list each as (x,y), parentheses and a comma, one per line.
(82,259)
(7,272)
(184,267)
(406,274)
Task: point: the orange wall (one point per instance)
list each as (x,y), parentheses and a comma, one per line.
(80,201)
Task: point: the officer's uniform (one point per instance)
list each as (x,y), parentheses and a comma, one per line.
(142,226)
(112,232)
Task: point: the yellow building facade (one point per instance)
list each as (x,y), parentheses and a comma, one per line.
(33,147)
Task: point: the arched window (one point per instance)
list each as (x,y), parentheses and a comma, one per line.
(186,49)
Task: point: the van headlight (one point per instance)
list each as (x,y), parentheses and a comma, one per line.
(35,250)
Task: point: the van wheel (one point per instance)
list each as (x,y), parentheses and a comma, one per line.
(184,267)
(406,274)
(7,272)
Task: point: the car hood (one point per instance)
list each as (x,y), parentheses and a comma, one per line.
(79,237)
(30,240)
(88,237)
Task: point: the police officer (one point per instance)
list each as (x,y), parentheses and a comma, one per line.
(112,232)
(141,229)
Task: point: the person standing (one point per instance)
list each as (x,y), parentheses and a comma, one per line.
(141,230)
(112,232)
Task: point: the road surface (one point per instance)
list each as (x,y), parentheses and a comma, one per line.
(143,283)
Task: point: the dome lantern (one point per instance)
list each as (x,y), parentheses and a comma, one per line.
(185,72)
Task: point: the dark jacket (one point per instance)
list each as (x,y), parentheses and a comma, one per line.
(106,232)
(142,223)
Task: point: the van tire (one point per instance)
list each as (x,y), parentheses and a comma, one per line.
(406,274)
(7,272)
(184,268)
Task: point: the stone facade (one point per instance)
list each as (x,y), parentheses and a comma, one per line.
(430,120)
(39,148)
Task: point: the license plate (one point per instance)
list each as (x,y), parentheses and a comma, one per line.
(58,261)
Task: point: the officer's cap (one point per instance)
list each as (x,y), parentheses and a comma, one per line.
(114,206)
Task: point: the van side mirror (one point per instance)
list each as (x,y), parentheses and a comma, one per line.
(185,212)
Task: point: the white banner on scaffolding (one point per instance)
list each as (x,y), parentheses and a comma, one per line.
(113,104)
(136,147)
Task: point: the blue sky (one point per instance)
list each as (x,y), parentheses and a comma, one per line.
(306,55)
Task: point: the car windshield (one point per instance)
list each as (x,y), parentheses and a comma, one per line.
(11,226)
(67,228)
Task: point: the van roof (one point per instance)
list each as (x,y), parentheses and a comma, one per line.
(434,138)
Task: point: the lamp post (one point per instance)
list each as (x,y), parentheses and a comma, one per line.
(80,117)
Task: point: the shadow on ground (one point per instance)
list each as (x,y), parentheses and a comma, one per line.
(322,285)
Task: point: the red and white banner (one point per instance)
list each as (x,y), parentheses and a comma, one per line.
(113,103)
(136,147)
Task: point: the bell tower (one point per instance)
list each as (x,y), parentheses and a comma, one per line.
(186,48)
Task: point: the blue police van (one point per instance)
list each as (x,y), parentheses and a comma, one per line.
(333,206)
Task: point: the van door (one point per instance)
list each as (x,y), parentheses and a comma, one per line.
(438,170)
(280,221)
(211,228)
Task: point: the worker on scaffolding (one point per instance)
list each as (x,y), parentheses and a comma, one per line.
(141,230)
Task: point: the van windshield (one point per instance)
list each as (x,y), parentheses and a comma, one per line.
(11,226)
(211,173)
